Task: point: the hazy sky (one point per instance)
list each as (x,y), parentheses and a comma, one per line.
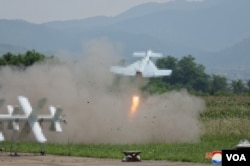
(39,11)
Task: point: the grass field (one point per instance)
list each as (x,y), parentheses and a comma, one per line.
(226,121)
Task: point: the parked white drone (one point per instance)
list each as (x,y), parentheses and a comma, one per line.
(142,68)
(32,120)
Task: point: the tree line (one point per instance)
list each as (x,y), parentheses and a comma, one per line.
(186,74)
(22,60)
(192,76)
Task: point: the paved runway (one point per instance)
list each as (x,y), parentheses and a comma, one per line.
(51,160)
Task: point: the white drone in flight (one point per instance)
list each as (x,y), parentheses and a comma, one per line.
(142,68)
(31,119)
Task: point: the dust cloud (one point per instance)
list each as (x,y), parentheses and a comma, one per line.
(97,104)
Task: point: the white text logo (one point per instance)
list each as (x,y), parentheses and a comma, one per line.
(236,157)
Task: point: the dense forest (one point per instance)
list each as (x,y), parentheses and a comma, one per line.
(186,74)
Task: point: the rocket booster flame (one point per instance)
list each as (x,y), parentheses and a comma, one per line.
(135,104)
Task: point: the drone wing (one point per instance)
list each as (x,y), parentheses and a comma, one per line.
(1,133)
(1,136)
(25,130)
(37,131)
(56,114)
(1,123)
(35,127)
(129,70)
(32,120)
(160,73)
(150,70)
(40,104)
(121,70)
(12,112)
(25,104)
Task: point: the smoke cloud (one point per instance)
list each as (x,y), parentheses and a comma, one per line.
(97,104)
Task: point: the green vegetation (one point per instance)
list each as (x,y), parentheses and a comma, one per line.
(191,76)
(226,119)
(22,60)
(188,152)
(227,115)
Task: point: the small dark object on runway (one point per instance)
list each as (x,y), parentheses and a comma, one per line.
(244,144)
(131,156)
(43,153)
(14,154)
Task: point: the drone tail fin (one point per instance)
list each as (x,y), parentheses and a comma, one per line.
(1,133)
(149,53)
(13,111)
(56,113)
(1,137)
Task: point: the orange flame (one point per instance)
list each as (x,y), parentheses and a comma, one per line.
(135,104)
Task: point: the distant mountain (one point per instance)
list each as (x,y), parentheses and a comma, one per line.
(239,53)
(213,31)
(4,48)
(232,62)
(210,27)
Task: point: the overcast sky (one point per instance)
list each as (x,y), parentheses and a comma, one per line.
(39,11)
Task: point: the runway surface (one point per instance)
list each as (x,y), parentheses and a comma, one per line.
(51,160)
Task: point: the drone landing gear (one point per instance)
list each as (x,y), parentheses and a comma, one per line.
(42,152)
(13,150)
(14,154)
(13,147)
